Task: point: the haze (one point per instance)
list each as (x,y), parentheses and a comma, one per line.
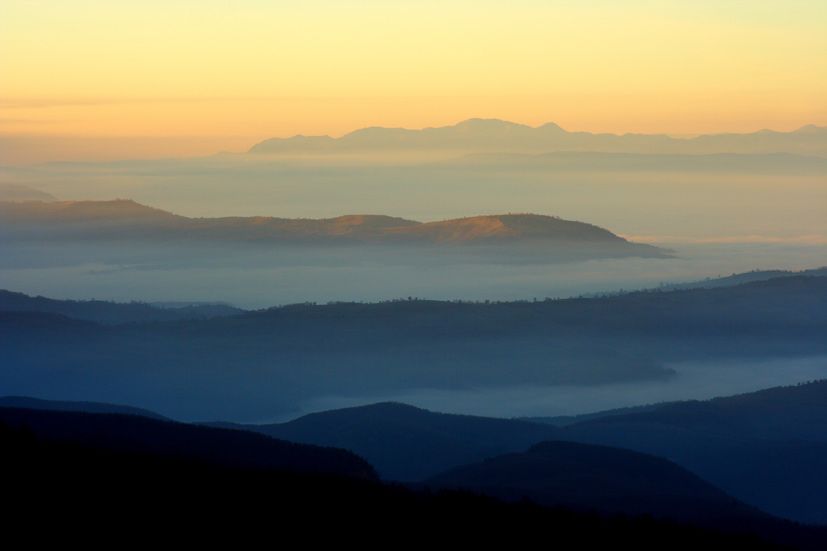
(94,80)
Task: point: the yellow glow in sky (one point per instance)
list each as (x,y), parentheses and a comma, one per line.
(170,77)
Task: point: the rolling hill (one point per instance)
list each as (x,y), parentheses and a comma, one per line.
(610,480)
(127,220)
(766,448)
(408,443)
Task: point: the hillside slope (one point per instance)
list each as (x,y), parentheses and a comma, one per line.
(768,448)
(408,443)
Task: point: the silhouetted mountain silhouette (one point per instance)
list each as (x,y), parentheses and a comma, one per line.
(102,490)
(137,434)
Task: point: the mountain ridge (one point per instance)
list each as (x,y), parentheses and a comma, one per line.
(477,134)
(106,312)
(746,444)
(29,402)
(124,218)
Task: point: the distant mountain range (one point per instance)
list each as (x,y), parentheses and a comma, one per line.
(498,136)
(125,219)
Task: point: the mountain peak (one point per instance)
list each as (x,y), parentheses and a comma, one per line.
(377,408)
(811,129)
(551,126)
(488,124)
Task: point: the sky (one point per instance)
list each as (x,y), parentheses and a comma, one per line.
(86,79)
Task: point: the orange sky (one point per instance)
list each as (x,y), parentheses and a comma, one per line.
(93,79)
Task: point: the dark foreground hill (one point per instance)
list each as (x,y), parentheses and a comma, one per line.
(600,478)
(408,443)
(768,448)
(134,434)
(65,489)
(26,402)
(609,480)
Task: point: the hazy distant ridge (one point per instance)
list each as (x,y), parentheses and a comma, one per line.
(17,193)
(493,135)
